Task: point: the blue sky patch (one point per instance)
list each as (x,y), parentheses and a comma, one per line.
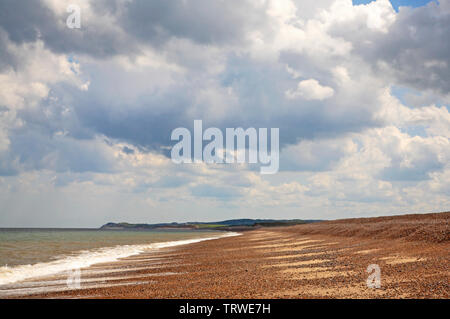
(399,3)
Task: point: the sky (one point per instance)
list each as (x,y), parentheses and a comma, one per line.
(399,3)
(359,92)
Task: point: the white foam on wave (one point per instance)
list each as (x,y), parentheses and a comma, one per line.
(87,258)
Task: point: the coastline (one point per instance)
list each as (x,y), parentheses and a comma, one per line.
(60,265)
(306,261)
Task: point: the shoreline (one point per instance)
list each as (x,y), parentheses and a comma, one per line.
(304,261)
(86,258)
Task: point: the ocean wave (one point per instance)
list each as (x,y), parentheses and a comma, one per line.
(10,275)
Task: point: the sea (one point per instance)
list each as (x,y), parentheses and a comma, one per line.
(32,253)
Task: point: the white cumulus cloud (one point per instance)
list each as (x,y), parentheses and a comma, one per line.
(310,90)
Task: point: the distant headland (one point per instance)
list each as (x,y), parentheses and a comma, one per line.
(227,225)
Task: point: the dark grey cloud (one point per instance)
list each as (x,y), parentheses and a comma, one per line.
(23,20)
(127,150)
(414,49)
(7,58)
(29,20)
(262,88)
(32,150)
(149,120)
(147,124)
(422,162)
(51,137)
(202,21)
(136,22)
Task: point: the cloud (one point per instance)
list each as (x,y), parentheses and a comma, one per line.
(205,22)
(412,52)
(318,154)
(215,192)
(310,90)
(360,94)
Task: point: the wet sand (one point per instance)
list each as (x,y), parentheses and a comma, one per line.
(302,261)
